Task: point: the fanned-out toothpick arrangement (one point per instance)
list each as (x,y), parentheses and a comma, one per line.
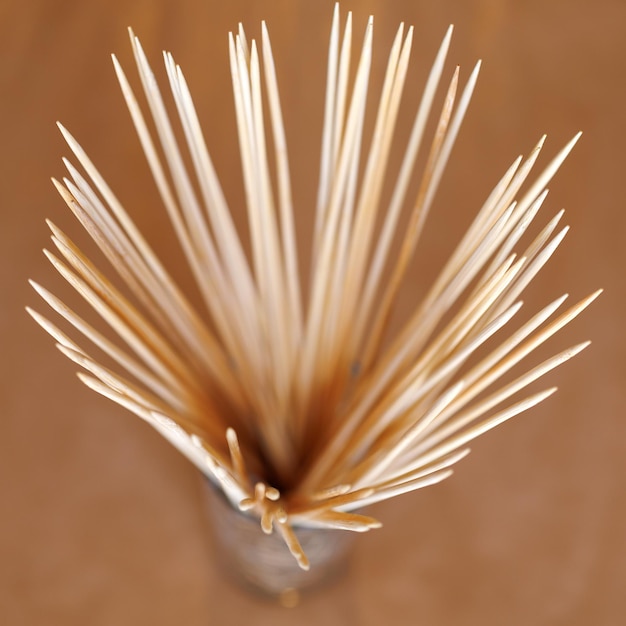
(296,402)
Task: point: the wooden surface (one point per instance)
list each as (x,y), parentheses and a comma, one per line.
(101,522)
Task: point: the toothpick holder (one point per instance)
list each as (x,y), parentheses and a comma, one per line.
(262,563)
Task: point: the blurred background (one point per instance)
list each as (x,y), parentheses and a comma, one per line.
(102,522)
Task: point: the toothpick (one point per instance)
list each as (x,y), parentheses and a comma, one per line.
(302,407)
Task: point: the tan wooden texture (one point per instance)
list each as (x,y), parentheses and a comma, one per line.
(101,521)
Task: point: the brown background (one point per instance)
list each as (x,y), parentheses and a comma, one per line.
(101,522)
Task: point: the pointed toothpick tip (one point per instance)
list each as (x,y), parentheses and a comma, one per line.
(36,316)
(581,346)
(58,185)
(571,143)
(231,437)
(595,294)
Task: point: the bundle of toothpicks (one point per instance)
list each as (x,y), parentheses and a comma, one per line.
(298,403)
